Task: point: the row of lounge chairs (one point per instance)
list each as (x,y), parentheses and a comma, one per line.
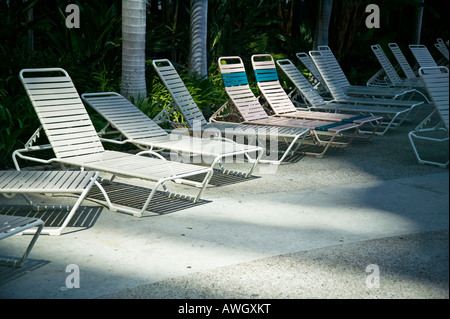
(234,130)
(428,83)
(420,53)
(431,76)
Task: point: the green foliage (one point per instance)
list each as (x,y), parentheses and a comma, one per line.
(92,54)
(12,126)
(244,28)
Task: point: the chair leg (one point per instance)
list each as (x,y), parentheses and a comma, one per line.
(299,139)
(57,231)
(225,171)
(140,212)
(412,135)
(18,263)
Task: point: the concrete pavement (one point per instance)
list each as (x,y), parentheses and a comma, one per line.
(368,222)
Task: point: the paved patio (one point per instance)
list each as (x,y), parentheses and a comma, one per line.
(310,228)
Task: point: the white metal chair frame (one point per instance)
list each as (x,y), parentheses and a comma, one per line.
(436,80)
(402,61)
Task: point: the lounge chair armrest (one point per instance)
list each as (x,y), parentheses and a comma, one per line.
(412,92)
(120,142)
(36,148)
(220,138)
(152,153)
(19,153)
(404,93)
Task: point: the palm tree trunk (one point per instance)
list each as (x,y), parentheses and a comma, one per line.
(133,49)
(417,22)
(30,43)
(199,22)
(323,23)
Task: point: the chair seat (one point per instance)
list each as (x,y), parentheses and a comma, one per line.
(11,225)
(44,181)
(128,165)
(204,146)
(47,182)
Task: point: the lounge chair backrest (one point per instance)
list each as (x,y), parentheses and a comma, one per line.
(309,64)
(179,92)
(423,56)
(269,84)
(386,64)
(442,47)
(299,80)
(402,61)
(238,89)
(437,84)
(331,71)
(61,112)
(123,115)
(264,68)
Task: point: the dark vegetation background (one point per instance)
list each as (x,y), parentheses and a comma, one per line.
(92,53)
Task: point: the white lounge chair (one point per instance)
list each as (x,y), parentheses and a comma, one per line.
(437,84)
(354,90)
(339,78)
(75,142)
(138,129)
(195,122)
